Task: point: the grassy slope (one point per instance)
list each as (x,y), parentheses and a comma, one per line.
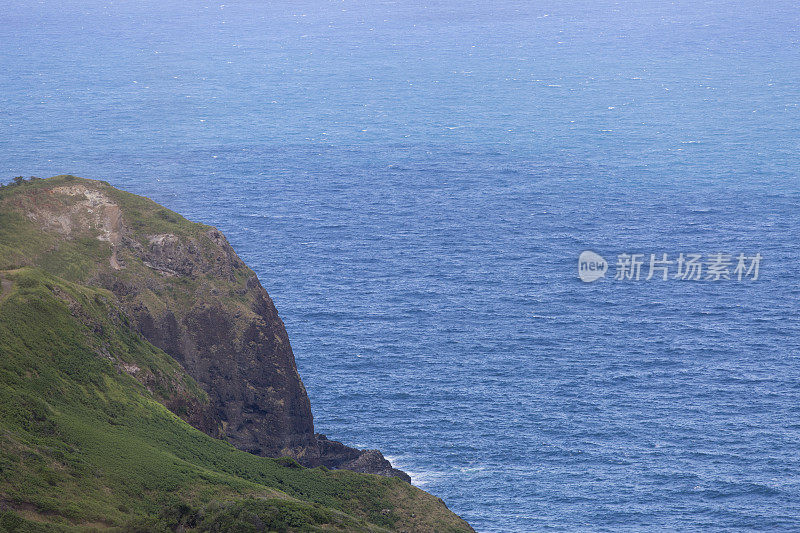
(84,445)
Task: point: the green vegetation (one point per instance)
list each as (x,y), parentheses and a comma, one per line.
(86,442)
(85,445)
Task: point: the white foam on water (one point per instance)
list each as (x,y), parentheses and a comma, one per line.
(419,478)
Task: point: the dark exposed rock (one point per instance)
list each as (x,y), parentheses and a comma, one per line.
(247,367)
(336,455)
(239,353)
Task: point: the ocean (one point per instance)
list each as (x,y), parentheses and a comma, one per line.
(413,183)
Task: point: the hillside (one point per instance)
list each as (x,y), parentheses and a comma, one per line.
(137,354)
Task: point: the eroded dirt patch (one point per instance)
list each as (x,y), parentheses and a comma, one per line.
(5,288)
(88,210)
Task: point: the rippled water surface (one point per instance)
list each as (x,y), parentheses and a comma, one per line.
(413,183)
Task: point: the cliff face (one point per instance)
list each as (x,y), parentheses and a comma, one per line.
(189,294)
(226,334)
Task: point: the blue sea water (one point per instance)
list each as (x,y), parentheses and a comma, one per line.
(413,183)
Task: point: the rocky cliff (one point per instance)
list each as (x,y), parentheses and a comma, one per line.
(188,293)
